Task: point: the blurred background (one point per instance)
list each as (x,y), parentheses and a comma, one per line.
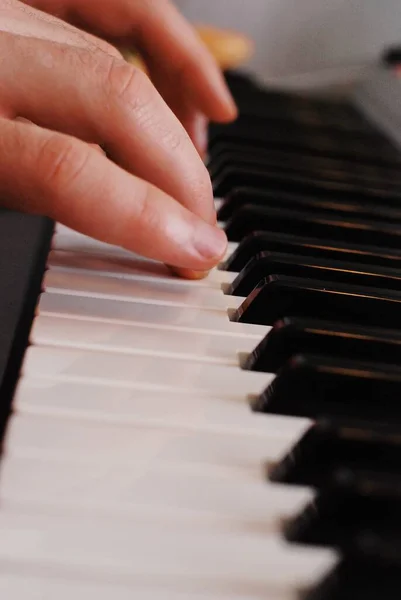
(310,39)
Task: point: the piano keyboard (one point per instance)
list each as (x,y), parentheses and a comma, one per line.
(233,438)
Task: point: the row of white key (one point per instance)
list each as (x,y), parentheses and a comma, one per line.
(134,456)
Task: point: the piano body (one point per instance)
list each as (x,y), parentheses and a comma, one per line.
(232,438)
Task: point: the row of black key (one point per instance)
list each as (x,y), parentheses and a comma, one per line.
(318,261)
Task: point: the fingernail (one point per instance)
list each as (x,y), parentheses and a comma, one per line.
(188,273)
(209,241)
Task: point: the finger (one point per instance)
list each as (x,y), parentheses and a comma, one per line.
(70,182)
(27,122)
(188,273)
(176,56)
(20,19)
(196,126)
(173,50)
(108,102)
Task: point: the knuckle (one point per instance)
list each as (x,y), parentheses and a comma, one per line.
(142,217)
(147,214)
(201,185)
(124,82)
(61,161)
(110,50)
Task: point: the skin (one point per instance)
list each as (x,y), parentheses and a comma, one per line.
(102,148)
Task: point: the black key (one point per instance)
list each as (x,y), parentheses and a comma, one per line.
(279,296)
(287,129)
(241,81)
(321,168)
(358,578)
(340,206)
(365,170)
(264,241)
(320,145)
(290,336)
(338,517)
(330,449)
(255,101)
(313,386)
(325,121)
(357,231)
(266,264)
(273,179)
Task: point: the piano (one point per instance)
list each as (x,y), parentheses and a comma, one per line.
(235,438)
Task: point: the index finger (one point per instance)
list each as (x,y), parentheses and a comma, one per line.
(103,100)
(173,50)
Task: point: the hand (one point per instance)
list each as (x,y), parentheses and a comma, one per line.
(180,66)
(78,91)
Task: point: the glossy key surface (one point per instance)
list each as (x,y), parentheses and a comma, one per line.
(345,229)
(279,296)
(341,204)
(314,386)
(349,445)
(266,264)
(290,336)
(281,242)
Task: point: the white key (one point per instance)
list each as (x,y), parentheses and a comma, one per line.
(223,498)
(134,339)
(161,291)
(72,241)
(89,440)
(113,369)
(158,553)
(159,316)
(159,408)
(68,240)
(130,268)
(45,584)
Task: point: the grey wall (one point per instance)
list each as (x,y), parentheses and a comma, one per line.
(295,36)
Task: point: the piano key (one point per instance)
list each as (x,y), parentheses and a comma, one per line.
(361,446)
(240,254)
(266,264)
(219,498)
(352,578)
(341,205)
(160,408)
(256,218)
(320,168)
(68,240)
(278,296)
(139,371)
(313,386)
(45,584)
(305,143)
(362,166)
(100,546)
(259,177)
(335,518)
(70,245)
(89,264)
(94,436)
(291,336)
(133,339)
(94,285)
(154,315)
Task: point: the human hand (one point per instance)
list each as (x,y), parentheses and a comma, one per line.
(77,91)
(179,64)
